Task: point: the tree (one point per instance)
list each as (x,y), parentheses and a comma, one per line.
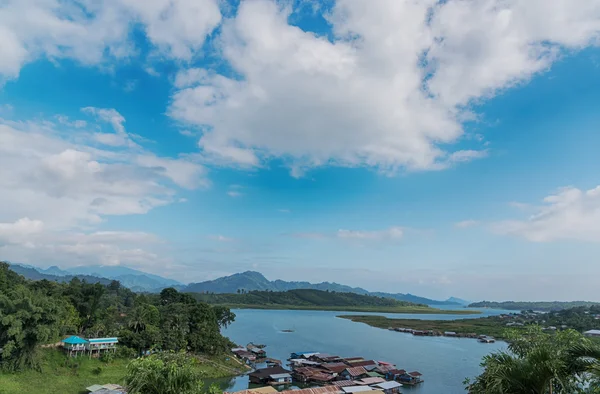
(224,316)
(27,319)
(538,363)
(164,373)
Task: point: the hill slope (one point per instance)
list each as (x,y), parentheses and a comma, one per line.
(33,274)
(251,280)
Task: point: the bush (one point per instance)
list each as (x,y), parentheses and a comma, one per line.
(107,357)
(126,352)
(97,370)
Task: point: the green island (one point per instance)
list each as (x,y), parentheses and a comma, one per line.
(543,306)
(309,299)
(168,330)
(580,318)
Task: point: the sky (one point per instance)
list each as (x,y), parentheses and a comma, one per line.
(440,148)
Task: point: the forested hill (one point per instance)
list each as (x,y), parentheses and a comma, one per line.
(33,313)
(34,274)
(544,306)
(251,280)
(302,298)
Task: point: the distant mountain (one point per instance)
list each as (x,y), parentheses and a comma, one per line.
(32,273)
(128,277)
(458,301)
(251,280)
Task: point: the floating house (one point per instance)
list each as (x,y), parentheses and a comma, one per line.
(356,389)
(388,387)
(277,379)
(335,368)
(305,355)
(74,345)
(368,381)
(263,376)
(258,352)
(411,378)
(486,339)
(354,373)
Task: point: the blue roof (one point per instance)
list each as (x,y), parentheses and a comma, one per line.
(74,340)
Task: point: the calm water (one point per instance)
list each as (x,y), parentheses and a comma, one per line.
(444,362)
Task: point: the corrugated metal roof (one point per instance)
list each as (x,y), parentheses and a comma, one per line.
(356,371)
(356,389)
(280,376)
(415,373)
(371,380)
(344,383)
(388,385)
(316,390)
(94,387)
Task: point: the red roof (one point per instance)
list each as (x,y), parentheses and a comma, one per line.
(415,373)
(356,371)
(321,377)
(316,390)
(397,371)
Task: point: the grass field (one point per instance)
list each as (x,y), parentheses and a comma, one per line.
(481,326)
(401,309)
(61,375)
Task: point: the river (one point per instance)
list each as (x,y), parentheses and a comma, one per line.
(444,362)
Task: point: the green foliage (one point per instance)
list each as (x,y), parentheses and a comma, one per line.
(164,373)
(301,297)
(542,306)
(107,357)
(39,312)
(539,363)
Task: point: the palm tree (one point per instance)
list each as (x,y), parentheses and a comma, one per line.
(540,363)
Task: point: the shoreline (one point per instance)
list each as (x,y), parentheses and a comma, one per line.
(400,310)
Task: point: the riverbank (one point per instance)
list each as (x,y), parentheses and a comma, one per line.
(482,326)
(71,375)
(374,309)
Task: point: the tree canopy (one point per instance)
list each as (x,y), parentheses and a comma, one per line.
(39,312)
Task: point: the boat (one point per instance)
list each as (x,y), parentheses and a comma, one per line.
(287,330)
(486,339)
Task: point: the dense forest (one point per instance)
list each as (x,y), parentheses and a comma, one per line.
(542,306)
(33,313)
(301,297)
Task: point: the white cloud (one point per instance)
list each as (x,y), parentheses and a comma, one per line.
(93,32)
(234,193)
(221,238)
(56,174)
(391,233)
(570,214)
(466,223)
(390,91)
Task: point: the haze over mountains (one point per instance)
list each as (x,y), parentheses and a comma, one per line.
(250,280)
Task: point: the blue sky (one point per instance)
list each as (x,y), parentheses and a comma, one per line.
(438,148)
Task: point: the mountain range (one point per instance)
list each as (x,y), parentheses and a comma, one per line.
(250,280)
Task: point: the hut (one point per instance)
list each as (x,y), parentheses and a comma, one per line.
(74,345)
(335,368)
(411,378)
(388,387)
(368,381)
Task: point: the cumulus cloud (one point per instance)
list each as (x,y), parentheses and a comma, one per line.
(56,180)
(570,214)
(94,32)
(390,90)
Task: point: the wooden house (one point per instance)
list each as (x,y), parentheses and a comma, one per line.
(97,346)
(388,387)
(354,373)
(411,378)
(263,375)
(277,379)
